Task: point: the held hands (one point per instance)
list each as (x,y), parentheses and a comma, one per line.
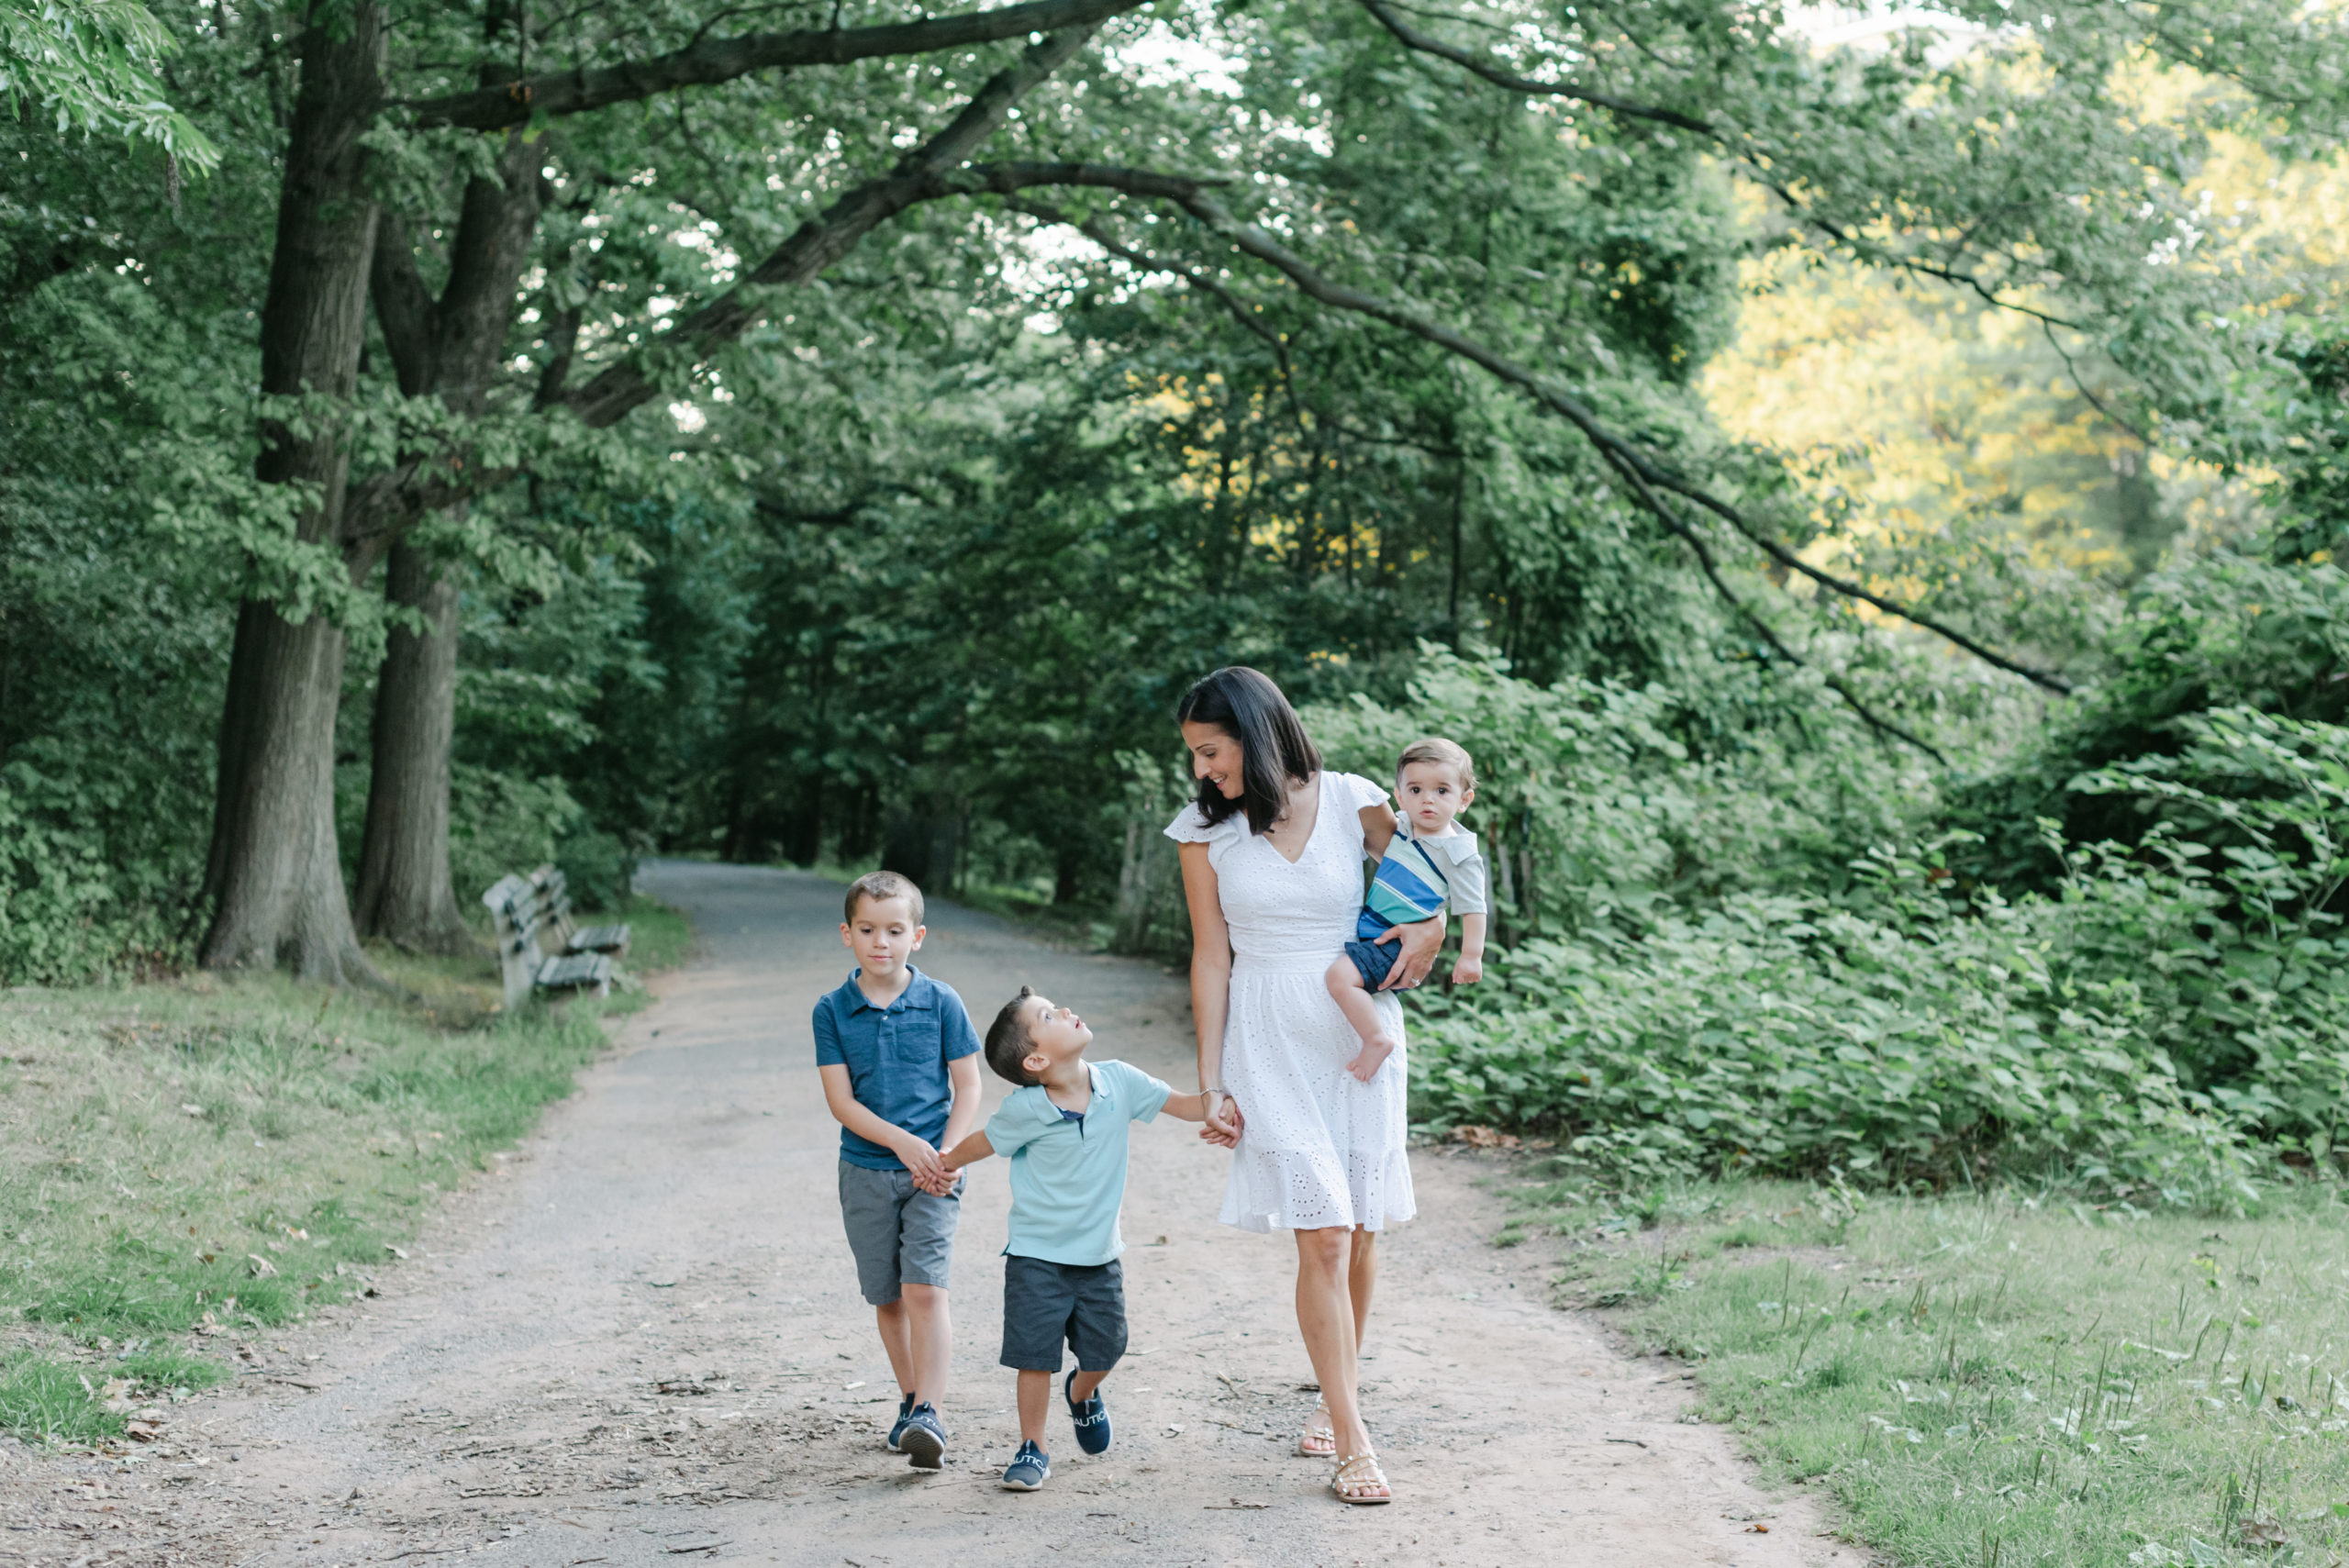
(929,1171)
(1224,1122)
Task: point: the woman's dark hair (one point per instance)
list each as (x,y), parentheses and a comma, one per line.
(1274,749)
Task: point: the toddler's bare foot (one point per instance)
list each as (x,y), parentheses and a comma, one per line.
(1375,1052)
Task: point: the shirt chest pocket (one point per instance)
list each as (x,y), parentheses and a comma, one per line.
(914,1039)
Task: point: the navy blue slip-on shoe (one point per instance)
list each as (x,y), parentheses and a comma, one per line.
(924,1439)
(904,1410)
(1030,1470)
(1090,1416)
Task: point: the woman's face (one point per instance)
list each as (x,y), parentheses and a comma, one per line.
(1215,757)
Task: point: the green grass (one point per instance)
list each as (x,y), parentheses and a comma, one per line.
(2003,1378)
(193,1159)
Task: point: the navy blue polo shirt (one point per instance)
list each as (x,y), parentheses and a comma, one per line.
(896,1057)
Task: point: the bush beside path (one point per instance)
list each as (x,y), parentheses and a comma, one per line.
(638,1337)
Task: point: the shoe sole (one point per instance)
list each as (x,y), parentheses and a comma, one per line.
(1035,1486)
(924,1448)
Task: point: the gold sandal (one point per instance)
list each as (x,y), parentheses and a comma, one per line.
(1361,1470)
(1319,1439)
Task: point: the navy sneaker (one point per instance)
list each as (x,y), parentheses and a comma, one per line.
(1090,1417)
(924,1437)
(1030,1470)
(904,1410)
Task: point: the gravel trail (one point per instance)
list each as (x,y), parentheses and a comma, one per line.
(640,1342)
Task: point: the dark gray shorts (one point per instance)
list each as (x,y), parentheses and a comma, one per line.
(1047,1303)
(900,1234)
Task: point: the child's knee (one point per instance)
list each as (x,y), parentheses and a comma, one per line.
(922,1298)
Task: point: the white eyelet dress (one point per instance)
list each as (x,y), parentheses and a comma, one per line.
(1316,1149)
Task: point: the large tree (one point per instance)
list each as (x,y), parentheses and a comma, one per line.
(427,153)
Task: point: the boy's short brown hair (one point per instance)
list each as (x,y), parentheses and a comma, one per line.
(1008,1040)
(882,884)
(1435,748)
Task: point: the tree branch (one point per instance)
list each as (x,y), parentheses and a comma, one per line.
(706,62)
(926,173)
(403,306)
(2073,369)
(1689,536)
(1412,38)
(1100,234)
(1672,521)
(1620,454)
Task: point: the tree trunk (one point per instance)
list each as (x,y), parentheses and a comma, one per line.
(453,348)
(405,891)
(276,876)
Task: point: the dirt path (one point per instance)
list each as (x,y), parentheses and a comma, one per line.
(642,1343)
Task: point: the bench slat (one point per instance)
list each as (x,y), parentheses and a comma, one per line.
(600,938)
(575,970)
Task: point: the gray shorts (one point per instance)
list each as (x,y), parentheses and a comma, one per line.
(1046,1303)
(900,1234)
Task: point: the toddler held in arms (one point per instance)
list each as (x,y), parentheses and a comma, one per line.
(1432,863)
(1064,1131)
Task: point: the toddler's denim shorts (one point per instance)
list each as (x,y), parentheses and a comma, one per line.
(1372,961)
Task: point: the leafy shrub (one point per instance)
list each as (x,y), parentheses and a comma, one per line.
(1902,1037)
(2230,631)
(499,823)
(66,911)
(1688,987)
(1593,808)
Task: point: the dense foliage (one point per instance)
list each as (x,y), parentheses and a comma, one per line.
(1681,994)
(1654,397)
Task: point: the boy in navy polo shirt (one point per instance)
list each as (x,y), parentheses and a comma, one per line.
(1064,1131)
(898,1058)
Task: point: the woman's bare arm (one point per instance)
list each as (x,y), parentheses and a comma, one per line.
(1421,940)
(1210,979)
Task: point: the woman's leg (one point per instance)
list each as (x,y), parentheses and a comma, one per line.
(1325,1315)
(1362,1275)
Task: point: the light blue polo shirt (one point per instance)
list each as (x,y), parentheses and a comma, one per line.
(1068,1174)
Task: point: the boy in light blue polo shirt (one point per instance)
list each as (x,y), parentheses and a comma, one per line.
(1064,1131)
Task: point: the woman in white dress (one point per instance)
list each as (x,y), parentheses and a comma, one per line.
(1272,854)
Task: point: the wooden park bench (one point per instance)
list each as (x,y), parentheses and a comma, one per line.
(539,946)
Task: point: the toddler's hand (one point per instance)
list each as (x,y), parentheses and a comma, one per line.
(1468,971)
